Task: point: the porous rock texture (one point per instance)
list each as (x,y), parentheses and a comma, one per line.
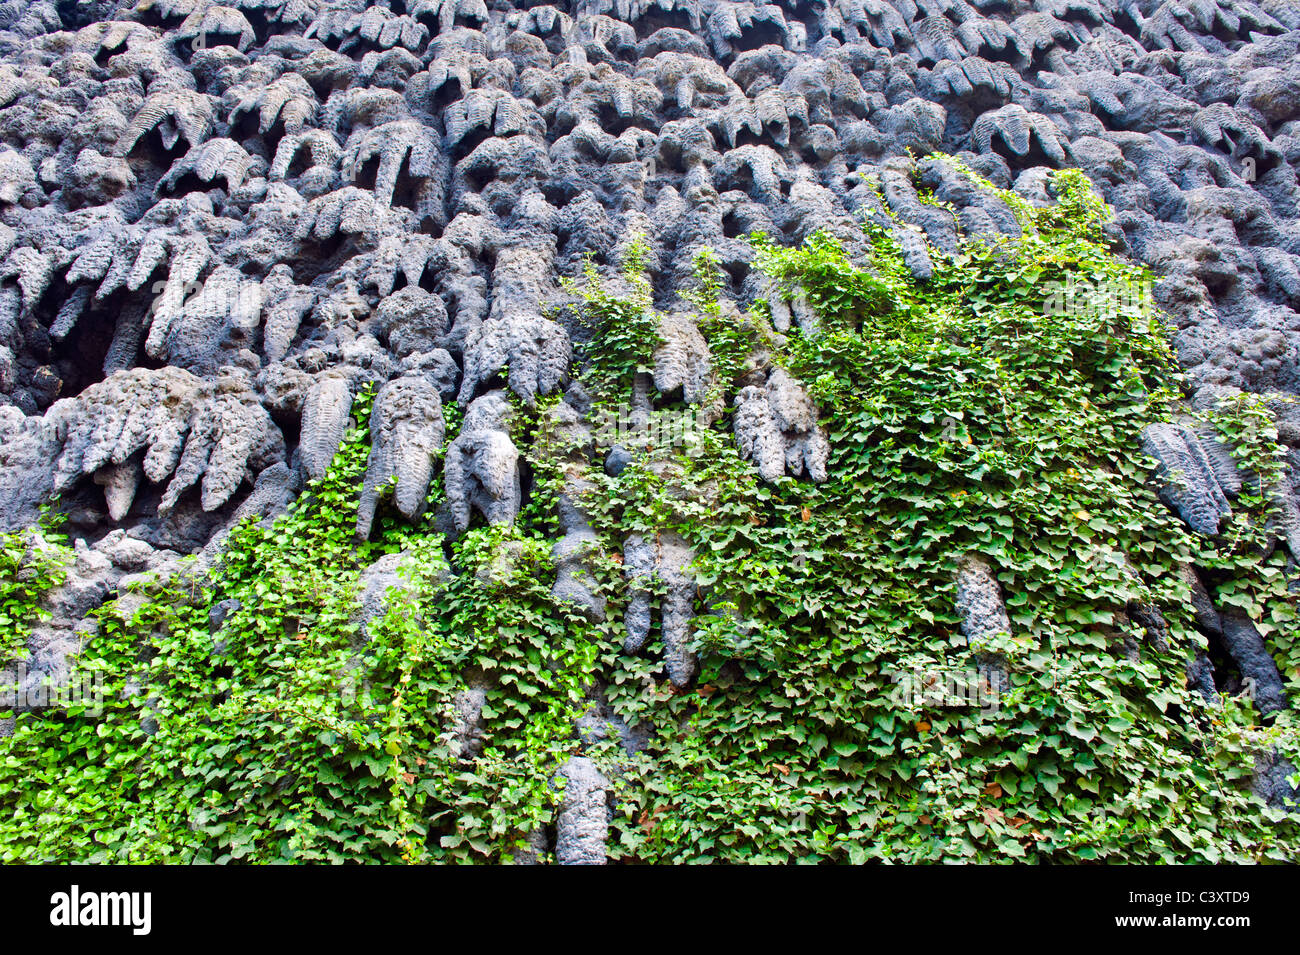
(220,222)
(1198,476)
(664,562)
(407,419)
(776,429)
(583,822)
(113,562)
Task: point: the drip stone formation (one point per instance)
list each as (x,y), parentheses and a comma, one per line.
(222,223)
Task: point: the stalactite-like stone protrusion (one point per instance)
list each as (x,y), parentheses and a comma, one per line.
(1192,484)
(666,561)
(407,431)
(482,467)
(583,824)
(979,601)
(776,428)
(324,422)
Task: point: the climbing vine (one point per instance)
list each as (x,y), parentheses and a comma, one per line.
(31,565)
(965,417)
(247,716)
(254,714)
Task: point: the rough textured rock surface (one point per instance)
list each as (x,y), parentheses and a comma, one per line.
(1247,648)
(776,428)
(574,553)
(482,467)
(345,186)
(682,362)
(467,724)
(1196,484)
(110,564)
(388,575)
(979,601)
(583,823)
(1272,775)
(663,563)
(408,430)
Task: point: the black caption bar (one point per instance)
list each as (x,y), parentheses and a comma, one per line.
(140,907)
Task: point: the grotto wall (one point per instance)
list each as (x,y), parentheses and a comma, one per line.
(220,222)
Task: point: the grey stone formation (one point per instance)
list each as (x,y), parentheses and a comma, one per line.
(111,564)
(154,424)
(1272,772)
(407,430)
(661,565)
(324,422)
(681,362)
(979,600)
(569,437)
(534,349)
(388,576)
(639,562)
(482,466)
(1197,481)
(600,722)
(776,428)
(583,823)
(1204,613)
(532,851)
(1247,648)
(574,583)
(617,460)
(466,734)
(1200,676)
(275,488)
(219,223)
(983,614)
(1232,631)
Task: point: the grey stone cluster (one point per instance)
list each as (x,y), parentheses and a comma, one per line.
(220,221)
(663,565)
(1198,474)
(575,553)
(583,824)
(112,564)
(776,428)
